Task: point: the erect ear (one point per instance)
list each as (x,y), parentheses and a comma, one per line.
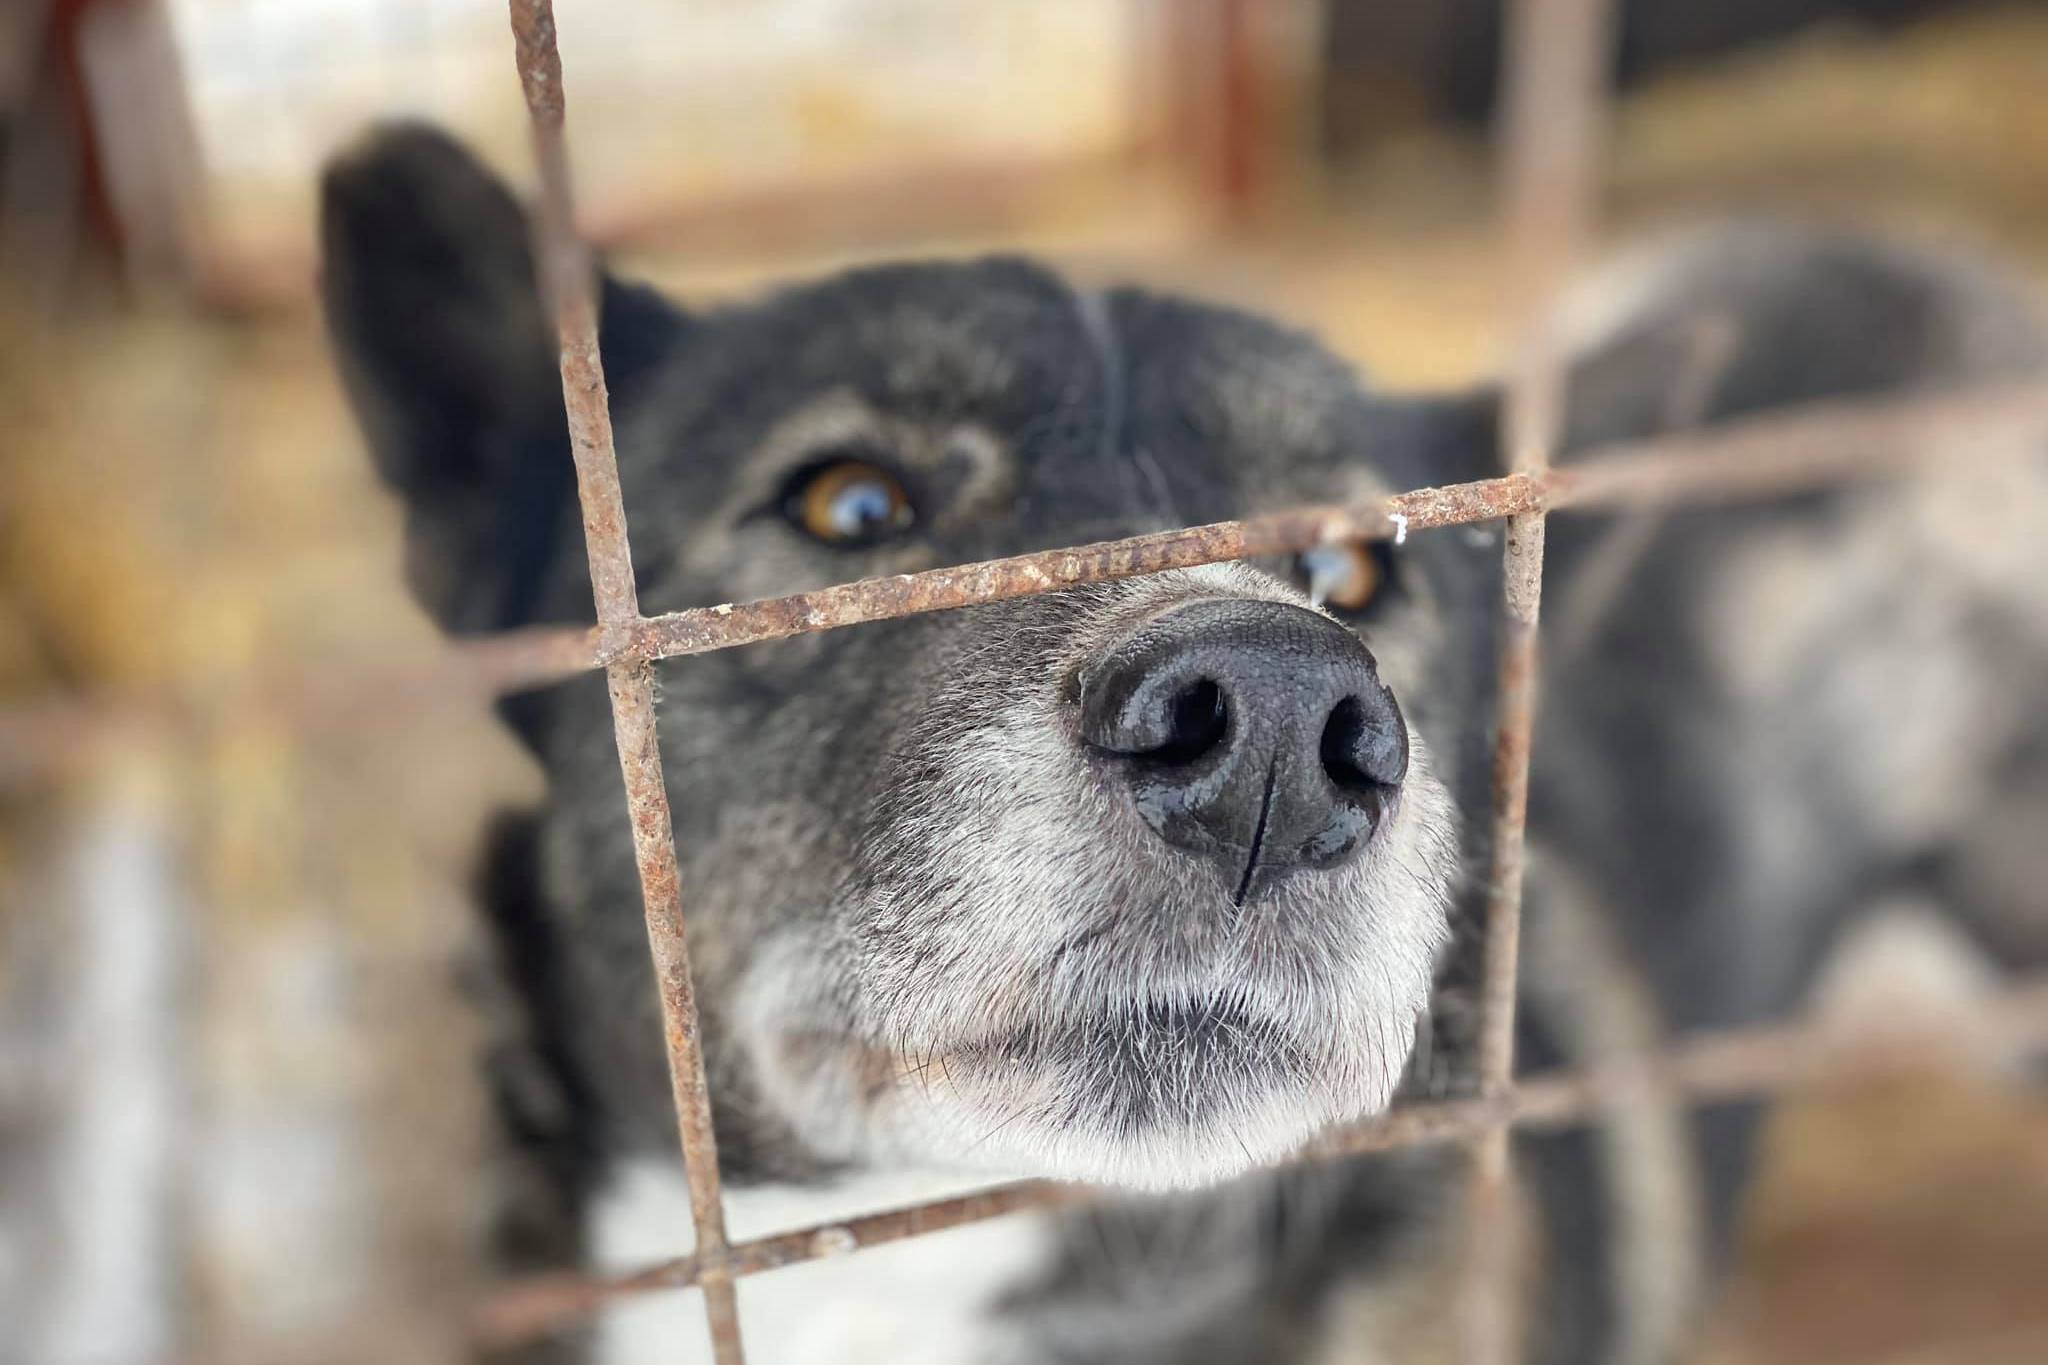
(450,360)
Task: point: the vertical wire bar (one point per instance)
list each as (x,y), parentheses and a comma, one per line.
(567,275)
(1552,72)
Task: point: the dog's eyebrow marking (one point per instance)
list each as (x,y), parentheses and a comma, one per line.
(1093,312)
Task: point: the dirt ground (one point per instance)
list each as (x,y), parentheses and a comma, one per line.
(184,506)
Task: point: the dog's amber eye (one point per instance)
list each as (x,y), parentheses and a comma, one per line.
(849,503)
(1347,577)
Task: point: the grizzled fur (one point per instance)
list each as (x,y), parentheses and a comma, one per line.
(928,926)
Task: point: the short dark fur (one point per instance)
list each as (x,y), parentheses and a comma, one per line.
(822,786)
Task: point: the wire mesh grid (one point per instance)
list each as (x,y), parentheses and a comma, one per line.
(1553,110)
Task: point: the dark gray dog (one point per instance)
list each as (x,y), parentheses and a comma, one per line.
(1146,884)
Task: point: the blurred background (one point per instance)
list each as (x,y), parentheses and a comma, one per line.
(238,1111)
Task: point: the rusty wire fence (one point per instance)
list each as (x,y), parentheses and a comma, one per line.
(1553,110)
(1553,113)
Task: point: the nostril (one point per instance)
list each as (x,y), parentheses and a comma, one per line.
(1363,752)
(1196,723)
(1146,712)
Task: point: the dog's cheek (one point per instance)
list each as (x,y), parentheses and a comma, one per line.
(957,915)
(981,789)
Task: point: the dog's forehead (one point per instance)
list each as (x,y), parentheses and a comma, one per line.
(1098,413)
(990,337)
(1225,399)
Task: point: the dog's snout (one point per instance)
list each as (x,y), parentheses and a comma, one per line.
(1256,735)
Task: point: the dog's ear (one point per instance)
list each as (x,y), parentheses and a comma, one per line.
(450,360)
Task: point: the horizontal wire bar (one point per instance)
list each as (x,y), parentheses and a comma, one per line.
(1814,446)
(1733,1064)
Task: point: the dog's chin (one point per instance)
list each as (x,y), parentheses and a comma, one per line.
(1154,1097)
(1167,1094)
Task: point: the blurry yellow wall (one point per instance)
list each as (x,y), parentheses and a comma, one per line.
(673,100)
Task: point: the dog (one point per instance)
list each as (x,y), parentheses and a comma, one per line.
(1145,884)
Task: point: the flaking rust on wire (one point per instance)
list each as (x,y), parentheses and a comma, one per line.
(701,630)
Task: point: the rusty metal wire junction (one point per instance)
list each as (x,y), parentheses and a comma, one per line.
(1552,105)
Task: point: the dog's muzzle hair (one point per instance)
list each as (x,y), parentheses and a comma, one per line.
(1151,890)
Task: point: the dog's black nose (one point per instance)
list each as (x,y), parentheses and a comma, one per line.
(1255,734)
